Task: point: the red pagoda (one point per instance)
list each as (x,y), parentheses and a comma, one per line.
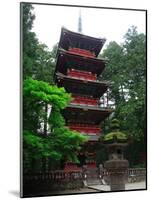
(77,70)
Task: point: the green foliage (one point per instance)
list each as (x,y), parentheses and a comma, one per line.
(58,145)
(126,69)
(140,165)
(29,40)
(38,69)
(45,64)
(37,94)
(38,61)
(68,142)
(61,143)
(38,146)
(115,124)
(119,136)
(42,92)
(56,119)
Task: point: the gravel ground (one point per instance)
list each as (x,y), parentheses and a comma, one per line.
(128,186)
(90,189)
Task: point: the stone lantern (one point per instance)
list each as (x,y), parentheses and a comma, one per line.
(116,165)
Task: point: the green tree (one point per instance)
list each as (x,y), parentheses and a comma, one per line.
(38,61)
(61,142)
(45,64)
(29,40)
(135,51)
(126,70)
(115,71)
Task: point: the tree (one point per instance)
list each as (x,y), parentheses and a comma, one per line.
(45,64)
(38,61)
(61,143)
(114,71)
(29,40)
(38,66)
(126,69)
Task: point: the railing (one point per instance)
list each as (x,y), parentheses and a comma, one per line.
(91,164)
(132,174)
(136,174)
(82,52)
(54,175)
(70,179)
(85,101)
(53,180)
(85,128)
(69,166)
(81,75)
(90,101)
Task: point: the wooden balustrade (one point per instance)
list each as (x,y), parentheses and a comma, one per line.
(85,100)
(69,166)
(81,74)
(82,52)
(85,129)
(83,125)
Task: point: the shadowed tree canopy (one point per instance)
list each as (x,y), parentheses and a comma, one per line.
(126,69)
(38,61)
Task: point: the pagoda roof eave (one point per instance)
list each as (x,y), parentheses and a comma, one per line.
(93,65)
(78,86)
(99,42)
(82,35)
(86,107)
(107,83)
(85,114)
(87,57)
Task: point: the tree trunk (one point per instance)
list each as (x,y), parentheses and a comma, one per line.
(45,120)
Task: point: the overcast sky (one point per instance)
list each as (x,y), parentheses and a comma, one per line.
(104,23)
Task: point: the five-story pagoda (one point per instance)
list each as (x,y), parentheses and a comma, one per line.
(77,70)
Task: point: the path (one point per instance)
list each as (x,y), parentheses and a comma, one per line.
(128,186)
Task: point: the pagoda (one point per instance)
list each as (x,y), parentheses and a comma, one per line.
(77,70)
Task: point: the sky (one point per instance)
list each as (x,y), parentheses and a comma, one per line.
(101,23)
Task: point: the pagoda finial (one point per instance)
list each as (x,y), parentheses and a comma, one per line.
(80,23)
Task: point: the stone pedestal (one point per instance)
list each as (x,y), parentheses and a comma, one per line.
(117,170)
(116,166)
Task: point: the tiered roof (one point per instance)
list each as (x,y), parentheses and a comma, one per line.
(77,69)
(71,39)
(85,114)
(79,86)
(67,60)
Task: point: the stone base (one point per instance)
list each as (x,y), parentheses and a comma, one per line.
(92,176)
(117,182)
(116,164)
(117,170)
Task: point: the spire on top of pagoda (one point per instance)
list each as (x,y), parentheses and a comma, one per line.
(80,23)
